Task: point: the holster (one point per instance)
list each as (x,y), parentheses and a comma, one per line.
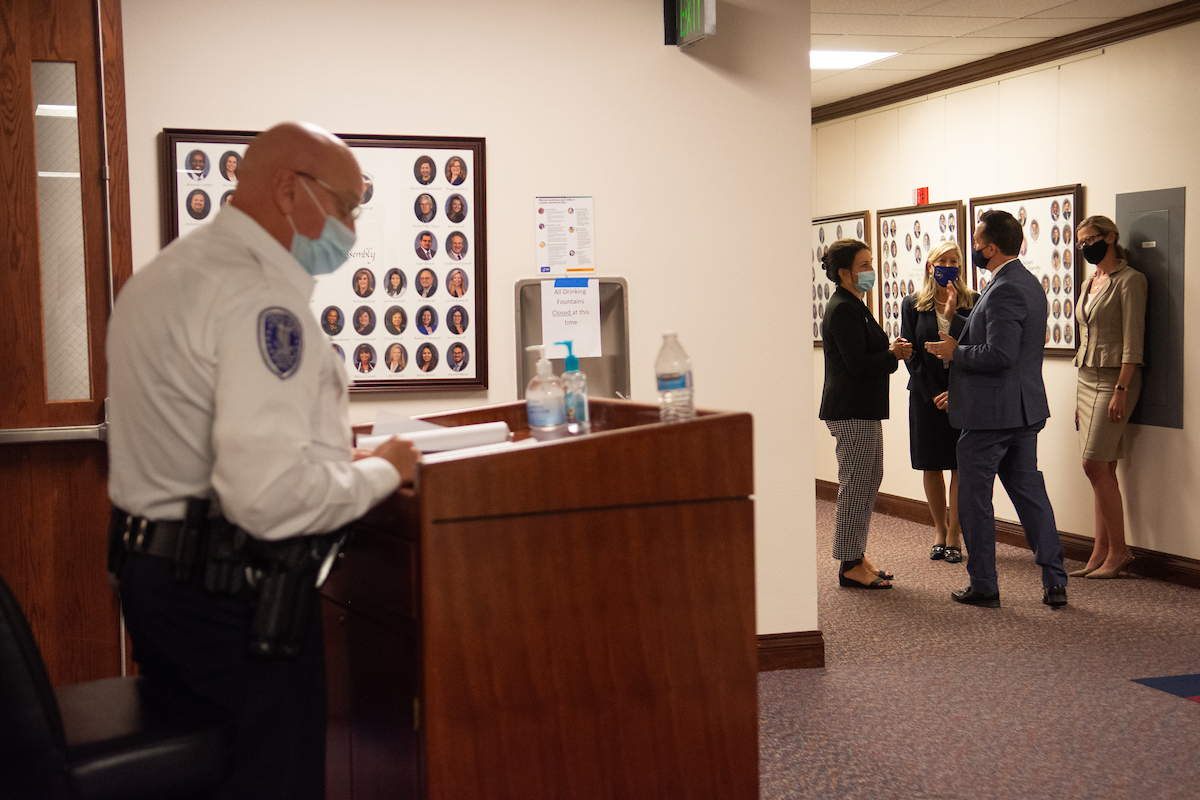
(195,530)
(224,562)
(285,576)
(118,536)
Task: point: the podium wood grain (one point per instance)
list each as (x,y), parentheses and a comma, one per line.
(575,619)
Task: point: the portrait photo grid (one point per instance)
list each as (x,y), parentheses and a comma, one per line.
(1048,219)
(826,231)
(403,305)
(402,308)
(905,238)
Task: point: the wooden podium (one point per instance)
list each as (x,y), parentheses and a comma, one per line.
(572,619)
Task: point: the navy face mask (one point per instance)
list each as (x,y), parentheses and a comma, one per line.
(944,275)
(979,259)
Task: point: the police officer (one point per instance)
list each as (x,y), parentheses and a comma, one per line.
(223,389)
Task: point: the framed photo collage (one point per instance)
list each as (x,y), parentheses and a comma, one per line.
(905,236)
(408,310)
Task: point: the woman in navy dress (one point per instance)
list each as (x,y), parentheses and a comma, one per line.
(931,439)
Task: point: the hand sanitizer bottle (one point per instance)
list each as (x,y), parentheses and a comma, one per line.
(575,387)
(545,401)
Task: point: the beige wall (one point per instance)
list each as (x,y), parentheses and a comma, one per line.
(698,161)
(1119,120)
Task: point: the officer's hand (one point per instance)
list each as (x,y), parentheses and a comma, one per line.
(402,455)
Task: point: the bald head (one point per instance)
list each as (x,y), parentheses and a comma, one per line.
(270,182)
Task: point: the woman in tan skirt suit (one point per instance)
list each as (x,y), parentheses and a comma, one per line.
(1112,322)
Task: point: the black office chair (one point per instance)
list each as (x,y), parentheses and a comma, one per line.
(114,738)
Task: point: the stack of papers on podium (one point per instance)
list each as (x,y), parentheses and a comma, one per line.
(431,438)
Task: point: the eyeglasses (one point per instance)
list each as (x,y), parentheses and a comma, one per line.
(1085,241)
(347,209)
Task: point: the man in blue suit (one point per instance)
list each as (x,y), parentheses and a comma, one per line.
(998,401)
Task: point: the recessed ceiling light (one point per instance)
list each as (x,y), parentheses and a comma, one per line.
(53,110)
(843,59)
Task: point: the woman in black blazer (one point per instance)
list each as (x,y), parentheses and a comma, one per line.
(858,361)
(931,440)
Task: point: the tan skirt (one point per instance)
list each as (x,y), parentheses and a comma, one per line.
(1100,439)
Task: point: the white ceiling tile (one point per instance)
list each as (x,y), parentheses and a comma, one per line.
(1101,8)
(1025,28)
(925,62)
(891,44)
(1012,9)
(893,25)
(933,35)
(977,46)
(867,6)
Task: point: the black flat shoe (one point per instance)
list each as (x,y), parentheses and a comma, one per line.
(953,555)
(1055,596)
(971,597)
(938,552)
(887,576)
(850,583)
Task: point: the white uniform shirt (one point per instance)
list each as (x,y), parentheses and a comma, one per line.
(223,385)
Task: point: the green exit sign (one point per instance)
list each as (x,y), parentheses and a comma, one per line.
(689,21)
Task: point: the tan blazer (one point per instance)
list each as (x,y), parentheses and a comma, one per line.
(1112,322)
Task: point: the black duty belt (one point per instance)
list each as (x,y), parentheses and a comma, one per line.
(285,575)
(152,537)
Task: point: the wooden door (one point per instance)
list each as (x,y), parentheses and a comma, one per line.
(63,210)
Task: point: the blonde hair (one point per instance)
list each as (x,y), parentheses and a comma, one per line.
(1105,226)
(924,301)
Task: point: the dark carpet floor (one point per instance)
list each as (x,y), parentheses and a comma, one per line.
(922,697)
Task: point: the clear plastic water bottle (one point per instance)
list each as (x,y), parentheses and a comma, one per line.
(673,369)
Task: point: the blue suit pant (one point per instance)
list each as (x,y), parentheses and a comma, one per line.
(1010,453)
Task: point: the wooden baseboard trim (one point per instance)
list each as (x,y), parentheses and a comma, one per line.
(1149,563)
(799,650)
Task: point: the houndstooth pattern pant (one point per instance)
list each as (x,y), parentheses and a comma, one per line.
(860,471)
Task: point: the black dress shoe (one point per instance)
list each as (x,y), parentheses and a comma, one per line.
(953,555)
(1055,596)
(973,598)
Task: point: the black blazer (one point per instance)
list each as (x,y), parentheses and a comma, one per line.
(927,376)
(858,361)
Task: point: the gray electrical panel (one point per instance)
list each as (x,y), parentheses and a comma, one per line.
(1152,227)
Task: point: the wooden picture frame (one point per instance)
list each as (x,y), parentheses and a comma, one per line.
(1049,218)
(402,203)
(826,231)
(912,231)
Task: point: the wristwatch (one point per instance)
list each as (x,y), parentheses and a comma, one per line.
(1119,388)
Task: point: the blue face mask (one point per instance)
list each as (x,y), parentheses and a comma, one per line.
(944,275)
(865,281)
(325,254)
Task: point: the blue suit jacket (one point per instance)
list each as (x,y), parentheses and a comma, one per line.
(996,374)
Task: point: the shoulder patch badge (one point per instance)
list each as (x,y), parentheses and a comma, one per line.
(280,340)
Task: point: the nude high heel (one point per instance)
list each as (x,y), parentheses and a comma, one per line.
(1112,573)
